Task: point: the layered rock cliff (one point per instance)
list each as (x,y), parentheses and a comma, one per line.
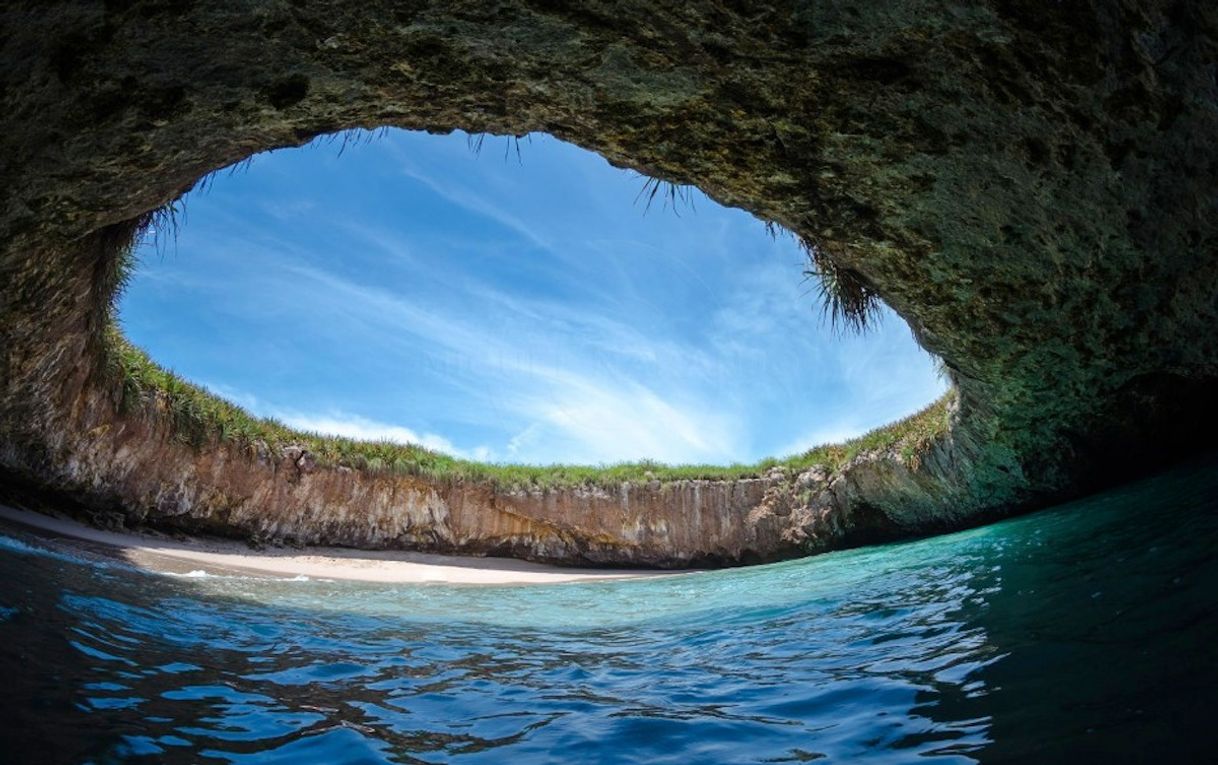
(1033,187)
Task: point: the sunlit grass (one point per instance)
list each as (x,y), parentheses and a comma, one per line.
(200,418)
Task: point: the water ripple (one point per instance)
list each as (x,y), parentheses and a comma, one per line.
(1082,633)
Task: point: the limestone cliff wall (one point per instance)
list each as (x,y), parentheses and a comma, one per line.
(130,471)
(1032,186)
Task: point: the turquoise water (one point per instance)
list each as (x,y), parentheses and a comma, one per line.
(1086,633)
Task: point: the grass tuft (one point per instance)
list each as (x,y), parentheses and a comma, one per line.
(670,194)
(847,300)
(475,142)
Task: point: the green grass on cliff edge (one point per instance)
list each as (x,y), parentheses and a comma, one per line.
(199,418)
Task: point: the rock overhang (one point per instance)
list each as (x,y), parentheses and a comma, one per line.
(1033,189)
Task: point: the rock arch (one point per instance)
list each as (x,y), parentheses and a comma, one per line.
(1033,188)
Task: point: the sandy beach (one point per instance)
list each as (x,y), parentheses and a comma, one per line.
(159,553)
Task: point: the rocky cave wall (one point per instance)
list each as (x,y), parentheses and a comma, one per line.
(1032,186)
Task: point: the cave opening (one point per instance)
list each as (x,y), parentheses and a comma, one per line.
(502,299)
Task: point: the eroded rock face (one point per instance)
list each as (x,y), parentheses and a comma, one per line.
(1034,187)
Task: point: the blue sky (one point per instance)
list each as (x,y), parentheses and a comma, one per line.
(511,310)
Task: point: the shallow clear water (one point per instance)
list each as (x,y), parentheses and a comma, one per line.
(1083,633)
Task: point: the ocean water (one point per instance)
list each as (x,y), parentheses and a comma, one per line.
(1085,633)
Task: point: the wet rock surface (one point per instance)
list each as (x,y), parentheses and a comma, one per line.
(1033,187)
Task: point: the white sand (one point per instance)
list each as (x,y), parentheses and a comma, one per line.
(158,553)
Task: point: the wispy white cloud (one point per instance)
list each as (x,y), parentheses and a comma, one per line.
(354,426)
(603,420)
(339,423)
(605,337)
(575,405)
(470,200)
(597,415)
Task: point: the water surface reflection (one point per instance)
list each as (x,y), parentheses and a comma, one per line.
(1083,633)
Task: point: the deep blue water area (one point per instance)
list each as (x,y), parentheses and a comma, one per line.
(1084,633)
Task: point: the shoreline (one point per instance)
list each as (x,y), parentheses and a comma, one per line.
(162,555)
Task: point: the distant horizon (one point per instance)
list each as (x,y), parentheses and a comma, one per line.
(529,311)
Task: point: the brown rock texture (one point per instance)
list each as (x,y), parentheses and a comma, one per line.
(1032,186)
